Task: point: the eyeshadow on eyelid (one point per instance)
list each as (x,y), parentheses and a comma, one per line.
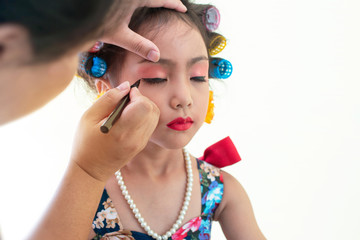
(199,71)
(150,71)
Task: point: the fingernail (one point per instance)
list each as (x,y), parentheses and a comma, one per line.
(153,56)
(135,89)
(184,8)
(124,86)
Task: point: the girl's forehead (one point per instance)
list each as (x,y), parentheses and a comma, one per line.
(181,42)
(181,47)
(177,41)
(174,27)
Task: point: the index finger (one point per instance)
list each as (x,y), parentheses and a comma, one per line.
(172,4)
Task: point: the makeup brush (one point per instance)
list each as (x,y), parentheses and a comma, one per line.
(115,115)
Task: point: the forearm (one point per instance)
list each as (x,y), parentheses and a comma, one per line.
(70,214)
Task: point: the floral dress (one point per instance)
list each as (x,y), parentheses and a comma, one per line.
(106,223)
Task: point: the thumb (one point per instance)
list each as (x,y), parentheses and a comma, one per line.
(131,41)
(106,103)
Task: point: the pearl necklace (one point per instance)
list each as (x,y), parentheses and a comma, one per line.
(184,207)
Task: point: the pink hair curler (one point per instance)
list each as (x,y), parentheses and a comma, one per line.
(211,18)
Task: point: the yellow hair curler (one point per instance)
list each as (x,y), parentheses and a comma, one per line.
(217,44)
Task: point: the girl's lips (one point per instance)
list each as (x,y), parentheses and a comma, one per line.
(180,124)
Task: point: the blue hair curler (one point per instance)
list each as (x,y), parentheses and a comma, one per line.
(220,68)
(98,67)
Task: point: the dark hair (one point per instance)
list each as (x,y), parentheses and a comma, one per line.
(57,26)
(154,19)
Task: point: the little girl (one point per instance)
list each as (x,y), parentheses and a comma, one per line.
(164,192)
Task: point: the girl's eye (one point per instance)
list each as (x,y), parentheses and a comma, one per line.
(154,80)
(199,79)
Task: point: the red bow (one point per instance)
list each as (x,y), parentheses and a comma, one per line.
(221,154)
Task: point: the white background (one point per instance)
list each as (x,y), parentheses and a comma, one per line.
(292,108)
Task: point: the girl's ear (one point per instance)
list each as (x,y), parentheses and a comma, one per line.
(15,46)
(102,86)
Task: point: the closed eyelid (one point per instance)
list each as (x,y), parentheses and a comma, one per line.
(199,79)
(154,80)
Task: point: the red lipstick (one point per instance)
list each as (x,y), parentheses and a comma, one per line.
(180,124)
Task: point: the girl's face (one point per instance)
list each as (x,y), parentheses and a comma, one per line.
(178,84)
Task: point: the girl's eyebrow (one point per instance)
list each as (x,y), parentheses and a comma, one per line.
(168,62)
(197,59)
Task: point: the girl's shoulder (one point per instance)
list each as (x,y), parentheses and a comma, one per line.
(235,212)
(224,192)
(233,193)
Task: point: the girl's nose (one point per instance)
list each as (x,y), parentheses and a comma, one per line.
(181,97)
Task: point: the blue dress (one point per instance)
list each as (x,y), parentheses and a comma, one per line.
(106,221)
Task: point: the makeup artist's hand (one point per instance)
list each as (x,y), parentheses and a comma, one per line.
(101,155)
(124,37)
